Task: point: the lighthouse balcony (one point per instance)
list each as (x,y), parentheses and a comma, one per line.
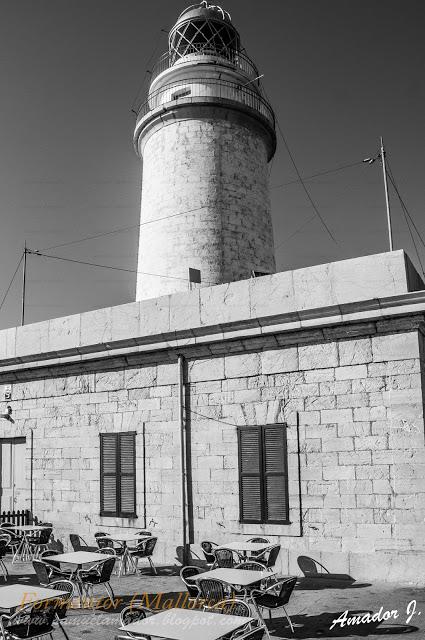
(205,90)
(197,53)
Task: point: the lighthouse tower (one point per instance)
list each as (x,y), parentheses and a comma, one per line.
(206,135)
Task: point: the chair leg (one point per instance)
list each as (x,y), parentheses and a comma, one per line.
(152,566)
(63,630)
(289,619)
(110,591)
(4,570)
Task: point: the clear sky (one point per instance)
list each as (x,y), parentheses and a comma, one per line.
(339,73)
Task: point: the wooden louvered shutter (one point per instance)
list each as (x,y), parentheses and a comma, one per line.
(127,476)
(118,474)
(108,474)
(250,485)
(275,474)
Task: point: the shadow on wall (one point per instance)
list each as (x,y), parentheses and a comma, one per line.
(316,576)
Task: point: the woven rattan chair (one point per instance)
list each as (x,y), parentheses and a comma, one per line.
(79,544)
(275,597)
(96,575)
(5,540)
(30,622)
(192,587)
(145,549)
(212,591)
(208,551)
(134,612)
(226,558)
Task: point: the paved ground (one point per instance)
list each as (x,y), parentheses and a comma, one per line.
(313,607)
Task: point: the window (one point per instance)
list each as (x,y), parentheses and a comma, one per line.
(263,474)
(118,474)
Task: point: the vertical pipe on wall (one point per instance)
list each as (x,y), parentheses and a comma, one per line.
(31,473)
(183,456)
(144,475)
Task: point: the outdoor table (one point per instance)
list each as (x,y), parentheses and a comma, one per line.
(246,546)
(16,595)
(187,624)
(78,558)
(124,538)
(248,580)
(23,551)
(235,577)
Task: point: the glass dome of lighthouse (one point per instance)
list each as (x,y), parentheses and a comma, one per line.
(204,29)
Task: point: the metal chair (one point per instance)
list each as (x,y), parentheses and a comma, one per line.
(226,558)
(192,587)
(255,554)
(40,541)
(213,591)
(108,545)
(54,567)
(134,612)
(145,549)
(310,567)
(97,574)
(16,538)
(250,565)
(65,601)
(275,597)
(79,544)
(5,540)
(208,550)
(232,607)
(269,556)
(30,622)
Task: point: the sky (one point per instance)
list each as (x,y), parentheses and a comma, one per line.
(338,73)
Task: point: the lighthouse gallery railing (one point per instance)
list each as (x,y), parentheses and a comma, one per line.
(181,91)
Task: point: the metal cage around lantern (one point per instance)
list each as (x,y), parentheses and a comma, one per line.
(204,29)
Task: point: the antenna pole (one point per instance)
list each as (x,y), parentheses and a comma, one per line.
(24,277)
(387,199)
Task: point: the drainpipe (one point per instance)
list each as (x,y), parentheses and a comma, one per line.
(183,458)
(31,474)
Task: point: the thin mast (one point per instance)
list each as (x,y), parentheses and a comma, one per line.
(24,277)
(387,199)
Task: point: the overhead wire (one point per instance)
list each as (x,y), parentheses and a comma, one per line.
(316,175)
(408,218)
(105,266)
(11,282)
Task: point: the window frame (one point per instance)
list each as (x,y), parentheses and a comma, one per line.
(118,513)
(262,474)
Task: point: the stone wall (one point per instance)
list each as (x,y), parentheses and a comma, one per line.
(354,410)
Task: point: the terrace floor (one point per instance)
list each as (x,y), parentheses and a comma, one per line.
(313,606)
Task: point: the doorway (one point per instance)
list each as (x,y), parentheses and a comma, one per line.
(13,474)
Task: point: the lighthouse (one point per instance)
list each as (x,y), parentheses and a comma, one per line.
(206,134)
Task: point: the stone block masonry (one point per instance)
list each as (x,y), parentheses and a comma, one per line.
(350,392)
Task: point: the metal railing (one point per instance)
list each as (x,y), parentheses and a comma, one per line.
(181,91)
(236,59)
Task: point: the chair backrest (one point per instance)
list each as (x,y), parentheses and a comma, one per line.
(143,533)
(273,554)
(104,541)
(185,574)
(232,607)
(42,571)
(5,540)
(48,553)
(106,570)
(75,541)
(212,590)
(225,558)
(43,536)
(207,548)
(108,551)
(259,540)
(308,566)
(68,587)
(100,534)
(250,565)
(30,621)
(285,589)
(134,612)
(146,547)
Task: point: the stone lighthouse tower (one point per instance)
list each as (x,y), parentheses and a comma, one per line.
(206,135)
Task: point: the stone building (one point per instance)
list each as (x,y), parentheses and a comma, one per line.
(288,405)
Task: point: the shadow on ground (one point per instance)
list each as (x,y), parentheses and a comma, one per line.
(319,626)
